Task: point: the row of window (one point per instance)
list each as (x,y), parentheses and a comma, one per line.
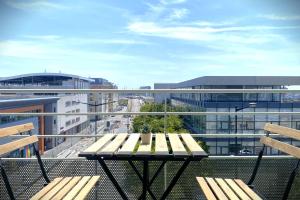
(73,121)
(71,103)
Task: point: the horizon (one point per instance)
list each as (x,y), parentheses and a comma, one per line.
(137,44)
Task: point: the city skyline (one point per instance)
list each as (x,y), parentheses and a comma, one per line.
(134,44)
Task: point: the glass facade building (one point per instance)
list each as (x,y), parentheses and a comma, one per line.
(244,124)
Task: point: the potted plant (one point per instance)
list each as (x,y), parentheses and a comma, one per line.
(145,133)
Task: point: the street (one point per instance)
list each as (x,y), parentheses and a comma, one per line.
(118,124)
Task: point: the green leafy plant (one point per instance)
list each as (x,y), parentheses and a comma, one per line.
(145,128)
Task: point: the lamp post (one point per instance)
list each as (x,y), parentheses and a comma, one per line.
(236,109)
(95,107)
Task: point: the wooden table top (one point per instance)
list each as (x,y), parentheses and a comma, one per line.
(124,145)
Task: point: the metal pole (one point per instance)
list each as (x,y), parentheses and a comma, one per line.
(165,120)
(236,139)
(96,119)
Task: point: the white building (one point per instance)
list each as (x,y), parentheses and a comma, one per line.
(69,103)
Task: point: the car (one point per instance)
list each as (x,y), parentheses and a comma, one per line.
(245,152)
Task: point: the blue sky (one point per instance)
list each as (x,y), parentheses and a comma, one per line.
(136,42)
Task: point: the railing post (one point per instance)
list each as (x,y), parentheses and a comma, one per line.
(165,120)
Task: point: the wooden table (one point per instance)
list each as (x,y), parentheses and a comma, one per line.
(169,147)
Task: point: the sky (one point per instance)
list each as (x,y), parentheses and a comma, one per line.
(138,42)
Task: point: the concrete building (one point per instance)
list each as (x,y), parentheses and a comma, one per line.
(69,103)
(43,125)
(107,102)
(252,124)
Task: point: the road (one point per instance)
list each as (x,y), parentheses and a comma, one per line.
(119,124)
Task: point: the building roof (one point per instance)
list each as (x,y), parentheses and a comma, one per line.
(16,101)
(237,80)
(45,75)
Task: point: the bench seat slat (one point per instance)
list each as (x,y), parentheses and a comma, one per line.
(237,189)
(217,190)
(281,146)
(87,188)
(56,188)
(12,130)
(205,188)
(17,144)
(281,130)
(46,189)
(64,191)
(228,191)
(248,190)
(72,194)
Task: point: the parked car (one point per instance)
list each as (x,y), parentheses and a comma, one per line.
(245,152)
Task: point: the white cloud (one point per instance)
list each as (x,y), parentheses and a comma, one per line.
(35,5)
(280,17)
(178,14)
(196,33)
(42,50)
(166,2)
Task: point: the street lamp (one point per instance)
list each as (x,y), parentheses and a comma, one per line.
(95,107)
(236,109)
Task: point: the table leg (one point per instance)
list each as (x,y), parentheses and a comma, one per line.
(112,178)
(175,179)
(141,178)
(145,179)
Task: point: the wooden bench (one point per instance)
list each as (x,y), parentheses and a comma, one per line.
(220,188)
(77,187)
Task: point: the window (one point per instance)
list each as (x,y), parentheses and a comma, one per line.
(77,110)
(77,119)
(68,123)
(54,122)
(68,103)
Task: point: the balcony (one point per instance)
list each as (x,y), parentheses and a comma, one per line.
(271,179)
(26,179)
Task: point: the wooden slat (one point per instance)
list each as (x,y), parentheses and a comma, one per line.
(87,188)
(77,188)
(176,144)
(145,149)
(128,146)
(284,147)
(193,146)
(248,190)
(114,145)
(16,129)
(98,144)
(161,146)
(56,188)
(237,189)
(205,188)
(67,188)
(217,190)
(289,132)
(14,145)
(46,189)
(227,190)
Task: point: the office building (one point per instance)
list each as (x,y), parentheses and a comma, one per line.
(222,102)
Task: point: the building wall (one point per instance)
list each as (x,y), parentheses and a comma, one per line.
(41,122)
(69,104)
